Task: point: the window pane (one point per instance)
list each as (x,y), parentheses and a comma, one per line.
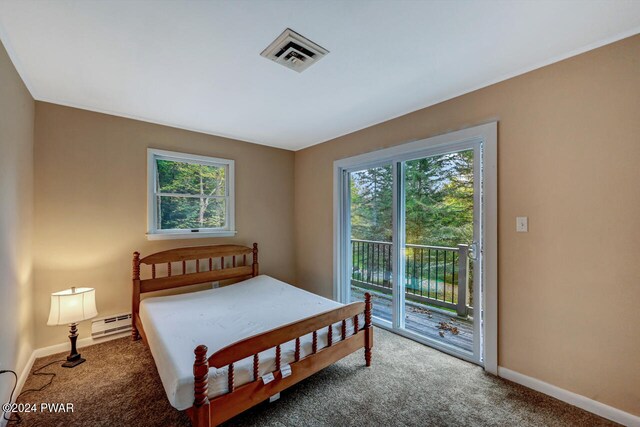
(188,178)
(190,213)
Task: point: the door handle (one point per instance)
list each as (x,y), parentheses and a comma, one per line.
(473,251)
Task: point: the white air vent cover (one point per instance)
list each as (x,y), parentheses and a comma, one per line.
(294,51)
(110,325)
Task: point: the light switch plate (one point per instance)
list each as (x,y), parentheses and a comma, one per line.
(522,224)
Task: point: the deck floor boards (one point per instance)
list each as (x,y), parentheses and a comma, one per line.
(422,319)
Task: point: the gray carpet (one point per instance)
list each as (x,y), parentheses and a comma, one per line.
(408,385)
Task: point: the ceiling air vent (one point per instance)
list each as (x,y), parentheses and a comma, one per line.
(294,51)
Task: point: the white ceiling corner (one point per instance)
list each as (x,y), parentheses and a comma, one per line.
(197,65)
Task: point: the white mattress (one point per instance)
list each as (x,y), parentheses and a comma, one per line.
(176,325)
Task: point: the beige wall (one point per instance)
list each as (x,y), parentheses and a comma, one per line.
(91,212)
(16,208)
(569,158)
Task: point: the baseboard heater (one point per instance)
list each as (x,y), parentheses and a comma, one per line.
(110,325)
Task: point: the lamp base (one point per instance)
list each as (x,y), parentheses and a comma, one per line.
(73,363)
(73,359)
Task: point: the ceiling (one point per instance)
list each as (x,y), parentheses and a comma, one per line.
(196,65)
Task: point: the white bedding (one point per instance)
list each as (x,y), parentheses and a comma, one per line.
(176,325)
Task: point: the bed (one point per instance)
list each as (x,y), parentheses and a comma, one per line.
(221,351)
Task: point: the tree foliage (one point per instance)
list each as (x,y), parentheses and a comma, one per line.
(188,195)
(438,201)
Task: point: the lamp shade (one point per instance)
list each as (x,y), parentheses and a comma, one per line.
(72,306)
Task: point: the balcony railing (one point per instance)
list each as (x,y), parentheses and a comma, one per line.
(434,275)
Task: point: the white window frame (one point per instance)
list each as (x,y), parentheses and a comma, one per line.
(157,234)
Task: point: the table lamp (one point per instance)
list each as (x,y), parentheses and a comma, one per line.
(69,307)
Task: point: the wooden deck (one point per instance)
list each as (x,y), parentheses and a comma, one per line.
(423,319)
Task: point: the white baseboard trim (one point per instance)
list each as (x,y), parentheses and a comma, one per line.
(593,406)
(84,342)
(24,374)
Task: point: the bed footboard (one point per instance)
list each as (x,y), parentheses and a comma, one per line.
(208,413)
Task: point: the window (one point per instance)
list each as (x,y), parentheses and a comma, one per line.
(189,196)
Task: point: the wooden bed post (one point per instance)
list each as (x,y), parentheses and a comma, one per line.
(368,329)
(200,414)
(255,260)
(135,306)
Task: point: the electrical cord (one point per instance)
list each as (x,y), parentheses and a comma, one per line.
(15,384)
(35,373)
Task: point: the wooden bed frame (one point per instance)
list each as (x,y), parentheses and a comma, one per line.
(233,266)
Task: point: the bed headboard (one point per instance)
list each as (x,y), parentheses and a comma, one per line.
(190,266)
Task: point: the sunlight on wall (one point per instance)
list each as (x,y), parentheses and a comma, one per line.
(16,221)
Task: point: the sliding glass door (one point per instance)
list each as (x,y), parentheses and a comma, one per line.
(410,234)
(439,228)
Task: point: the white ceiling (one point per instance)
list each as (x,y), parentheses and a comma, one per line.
(197,65)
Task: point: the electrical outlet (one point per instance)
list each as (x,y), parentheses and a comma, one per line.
(215,285)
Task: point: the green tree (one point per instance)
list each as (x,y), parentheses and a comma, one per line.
(438,201)
(188,200)
(371,204)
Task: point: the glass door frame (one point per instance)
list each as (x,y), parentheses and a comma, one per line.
(483,139)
